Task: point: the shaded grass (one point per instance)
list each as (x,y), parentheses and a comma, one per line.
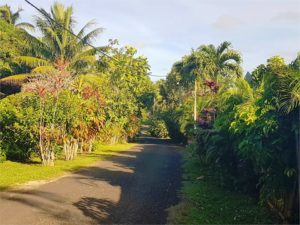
(14,173)
(204,202)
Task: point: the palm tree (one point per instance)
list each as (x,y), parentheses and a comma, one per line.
(58,49)
(12,17)
(290,91)
(221,60)
(211,64)
(290,87)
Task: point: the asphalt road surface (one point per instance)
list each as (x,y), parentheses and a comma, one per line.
(133,187)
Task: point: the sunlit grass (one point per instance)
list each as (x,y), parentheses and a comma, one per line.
(14,173)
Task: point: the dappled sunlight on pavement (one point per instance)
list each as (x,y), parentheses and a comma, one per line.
(134,186)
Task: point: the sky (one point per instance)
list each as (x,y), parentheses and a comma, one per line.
(165,30)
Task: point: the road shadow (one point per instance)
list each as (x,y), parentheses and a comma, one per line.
(146,193)
(96,209)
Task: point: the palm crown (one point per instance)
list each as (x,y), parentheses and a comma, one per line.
(58,48)
(221,60)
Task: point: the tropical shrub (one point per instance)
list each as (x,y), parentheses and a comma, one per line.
(19,126)
(247,130)
(253,143)
(157,128)
(70,106)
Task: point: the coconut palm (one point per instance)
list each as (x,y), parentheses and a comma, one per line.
(13,17)
(58,48)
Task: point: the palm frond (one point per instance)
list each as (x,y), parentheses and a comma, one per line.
(26,26)
(14,79)
(87,59)
(223,47)
(241,91)
(49,32)
(39,48)
(44,15)
(89,52)
(16,16)
(89,24)
(231,55)
(32,61)
(57,44)
(289,89)
(88,38)
(208,49)
(43,69)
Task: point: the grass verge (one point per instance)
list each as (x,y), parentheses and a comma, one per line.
(204,202)
(13,174)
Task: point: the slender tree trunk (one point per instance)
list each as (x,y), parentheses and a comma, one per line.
(41,122)
(80,143)
(90,145)
(70,149)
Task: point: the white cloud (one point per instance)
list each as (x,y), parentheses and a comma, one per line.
(227,23)
(291,16)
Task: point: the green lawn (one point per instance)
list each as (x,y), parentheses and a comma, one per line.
(204,202)
(14,173)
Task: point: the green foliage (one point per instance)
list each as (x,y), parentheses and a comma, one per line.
(175,98)
(18,126)
(253,142)
(74,97)
(58,109)
(251,139)
(257,75)
(62,113)
(157,128)
(206,62)
(128,90)
(205,202)
(13,44)
(172,121)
